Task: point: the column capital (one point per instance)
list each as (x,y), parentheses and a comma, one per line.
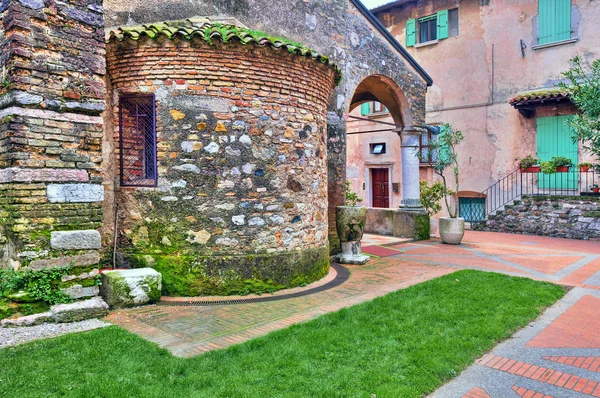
(410,130)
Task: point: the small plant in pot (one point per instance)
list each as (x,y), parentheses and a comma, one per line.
(350,225)
(585,166)
(452,228)
(528,165)
(595,188)
(559,164)
(431,196)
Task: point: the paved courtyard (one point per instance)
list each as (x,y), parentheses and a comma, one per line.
(556,356)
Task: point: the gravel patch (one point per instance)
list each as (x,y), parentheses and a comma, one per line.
(14,336)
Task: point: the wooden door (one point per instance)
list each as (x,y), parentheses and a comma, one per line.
(381,187)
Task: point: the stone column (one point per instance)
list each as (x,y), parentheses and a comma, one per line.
(410,220)
(409,136)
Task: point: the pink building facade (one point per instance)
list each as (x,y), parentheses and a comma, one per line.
(481,55)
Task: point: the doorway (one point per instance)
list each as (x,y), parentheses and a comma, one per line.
(381,187)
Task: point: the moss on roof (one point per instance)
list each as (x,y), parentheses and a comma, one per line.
(215,31)
(540,94)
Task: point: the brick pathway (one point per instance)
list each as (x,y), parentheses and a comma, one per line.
(189,331)
(556,356)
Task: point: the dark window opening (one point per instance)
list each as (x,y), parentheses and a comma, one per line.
(428,154)
(427,29)
(377,149)
(137,141)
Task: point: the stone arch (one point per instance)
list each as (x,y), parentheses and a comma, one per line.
(385,90)
(374,87)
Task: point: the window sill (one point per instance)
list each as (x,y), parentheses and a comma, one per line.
(427,43)
(426,165)
(554,44)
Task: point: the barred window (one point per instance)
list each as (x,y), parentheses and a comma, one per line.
(137,141)
(428,154)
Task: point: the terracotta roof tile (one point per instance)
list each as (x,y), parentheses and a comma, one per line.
(539,95)
(210,31)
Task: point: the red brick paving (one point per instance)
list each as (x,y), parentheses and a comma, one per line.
(589,363)
(525,393)
(577,327)
(547,265)
(541,374)
(380,251)
(476,392)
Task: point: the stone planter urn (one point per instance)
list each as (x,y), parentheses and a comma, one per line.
(452,230)
(350,225)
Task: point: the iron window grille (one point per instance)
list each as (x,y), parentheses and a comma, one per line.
(137,140)
(428,154)
(471,209)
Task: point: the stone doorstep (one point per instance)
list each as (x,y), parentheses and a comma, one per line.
(62,313)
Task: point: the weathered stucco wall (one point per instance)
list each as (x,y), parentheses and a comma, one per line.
(475,74)
(242,189)
(337,29)
(561,217)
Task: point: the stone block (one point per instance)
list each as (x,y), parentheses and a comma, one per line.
(379,221)
(78,292)
(75,240)
(79,311)
(17,174)
(411,224)
(30,320)
(81,260)
(131,288)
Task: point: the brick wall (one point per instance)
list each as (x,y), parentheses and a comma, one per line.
(51,96)
(242,160)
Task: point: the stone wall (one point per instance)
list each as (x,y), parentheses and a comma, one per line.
(242,160)
(338,29)
(51,134)
(561,217)
(52,92)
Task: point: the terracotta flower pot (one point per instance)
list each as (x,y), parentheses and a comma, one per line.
(532,169)
(584,168)
(562,169)
(596,190)
(350,226)
(452,230)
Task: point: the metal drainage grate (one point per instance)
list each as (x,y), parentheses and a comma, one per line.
(342,276)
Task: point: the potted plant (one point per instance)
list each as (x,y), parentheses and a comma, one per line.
(350,225)
(431,195)
(559,164)
(585,166)
(451,229)
(528,165)
(595,188)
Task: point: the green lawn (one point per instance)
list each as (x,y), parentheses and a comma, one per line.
(404,344)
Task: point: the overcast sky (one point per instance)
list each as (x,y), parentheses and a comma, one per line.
(375,3)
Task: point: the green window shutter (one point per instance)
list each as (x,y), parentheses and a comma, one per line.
(444,150)
(365,109)
(411,32)
(442,24)
(563,20)
(546,20)
(554,20)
